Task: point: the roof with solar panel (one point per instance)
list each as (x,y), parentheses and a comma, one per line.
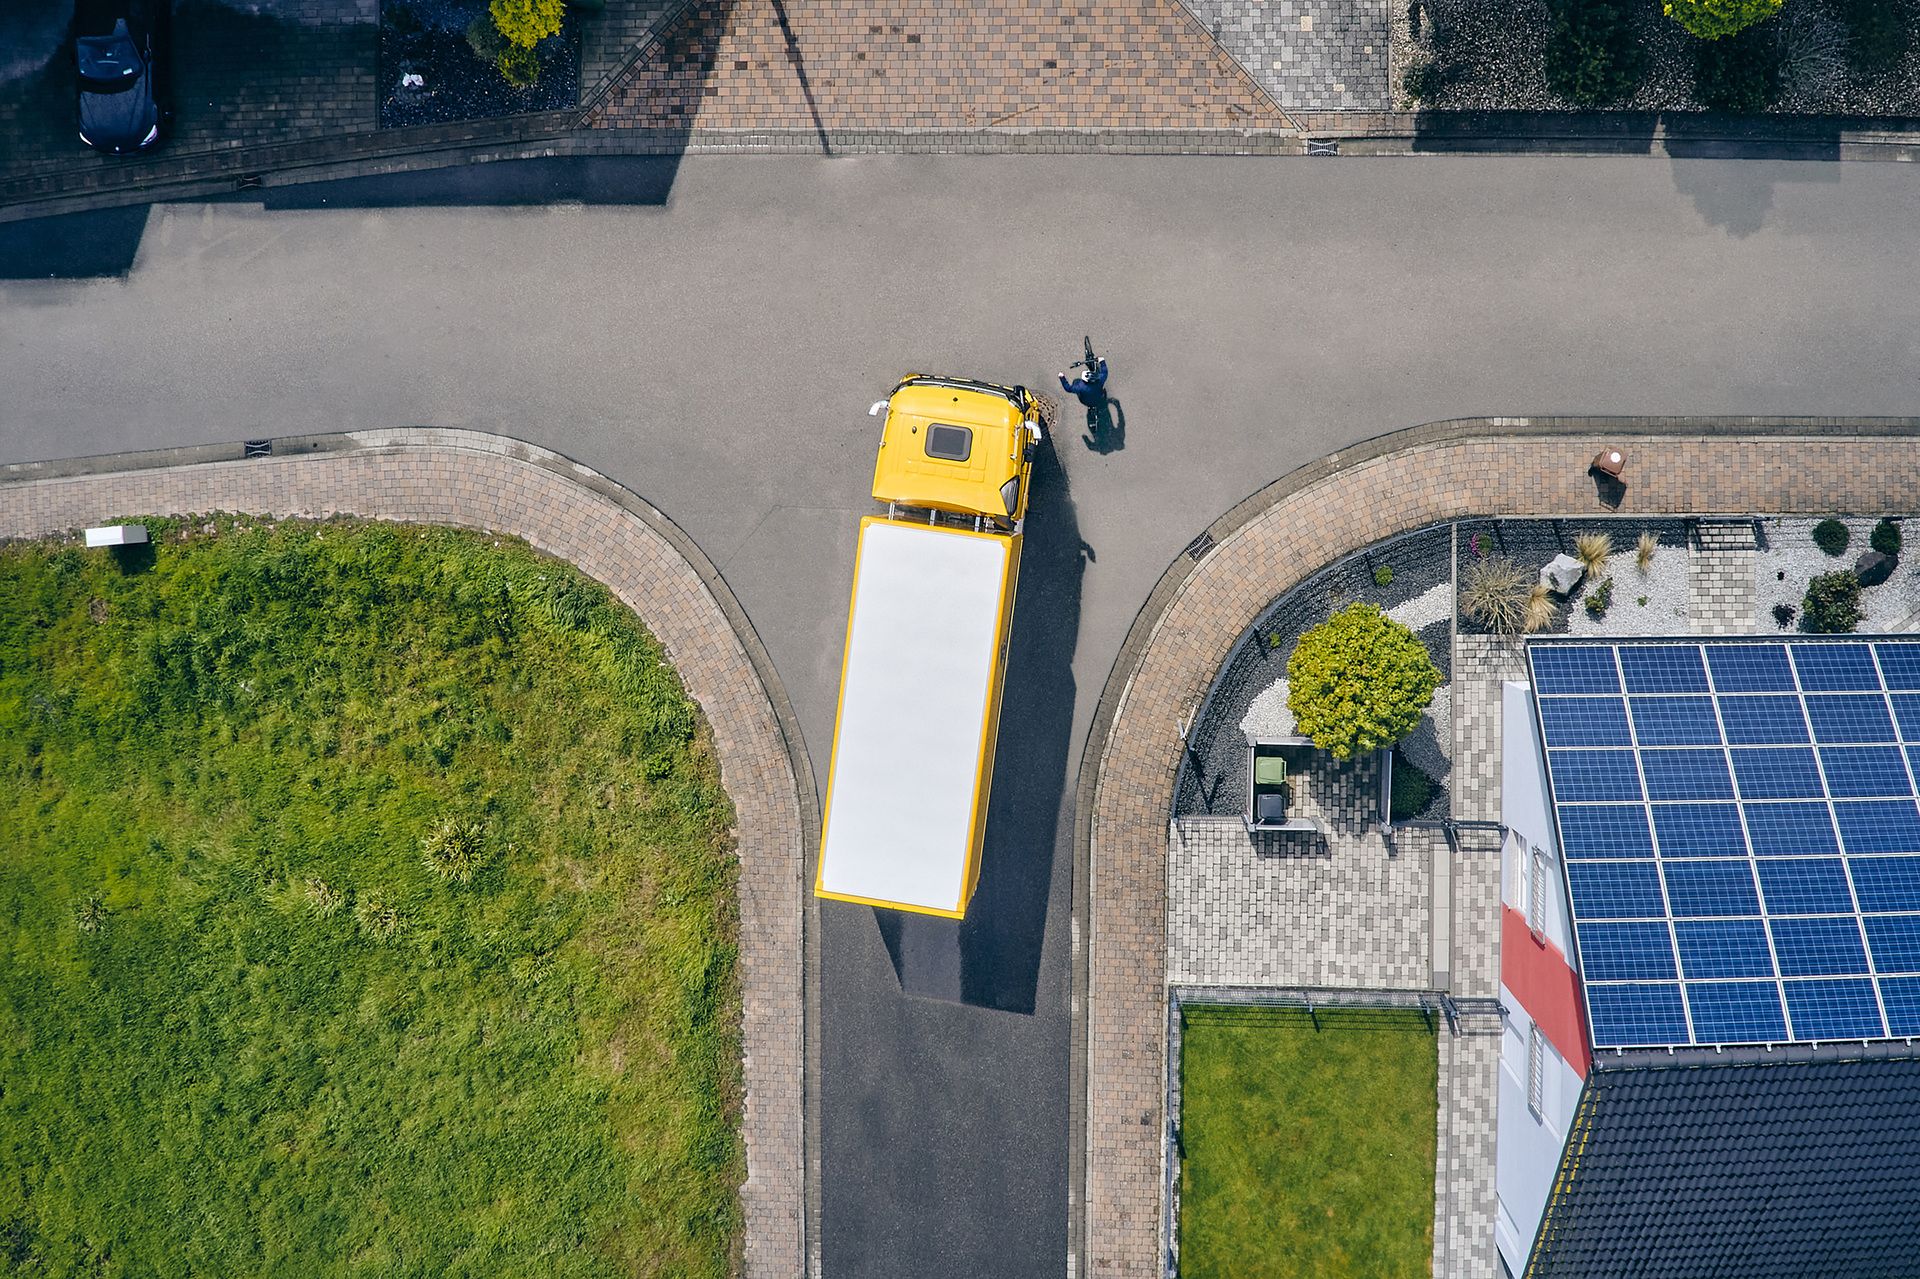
(1740,836)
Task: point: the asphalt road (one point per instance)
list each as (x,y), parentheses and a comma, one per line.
(716,353)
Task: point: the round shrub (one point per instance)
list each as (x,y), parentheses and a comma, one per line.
(519,67)
(1832,605)
(1885,538)
(1383,576)
(1592,56)
(527,22)
(1713,19)
(1740,73)
(1359,681)
(1876,33)
(485,40)
(1831,536)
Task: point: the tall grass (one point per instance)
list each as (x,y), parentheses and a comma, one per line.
(246,1027)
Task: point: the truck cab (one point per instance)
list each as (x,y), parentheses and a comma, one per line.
(933,591)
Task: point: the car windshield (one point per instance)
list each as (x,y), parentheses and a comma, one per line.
(109,60)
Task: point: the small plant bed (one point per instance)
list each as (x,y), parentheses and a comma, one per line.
(1831,57)
(1308,1150)
(370,908)
(1884,594)
(450,60)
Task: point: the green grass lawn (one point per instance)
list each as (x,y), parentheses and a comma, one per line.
(369,909)
(1308,1152)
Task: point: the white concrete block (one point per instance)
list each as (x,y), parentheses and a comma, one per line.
(117,535)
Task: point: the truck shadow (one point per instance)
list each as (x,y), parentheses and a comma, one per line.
(992,958)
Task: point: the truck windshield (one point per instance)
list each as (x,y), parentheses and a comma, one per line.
(110,62)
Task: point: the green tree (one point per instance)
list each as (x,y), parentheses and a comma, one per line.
(527,22)
(1711,19)
(1359,681)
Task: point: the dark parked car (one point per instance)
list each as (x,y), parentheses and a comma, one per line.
(121,48)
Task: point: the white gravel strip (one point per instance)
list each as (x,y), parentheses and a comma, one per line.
(1435,605)
(1268,716)
(1782,572)
(1663,586)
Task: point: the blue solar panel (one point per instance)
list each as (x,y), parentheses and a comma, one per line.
(1826,668)
(1833,1009)
(1857,772)
(1710,888)
(1723,948)
(1616,890)
(1822,946)
(1763,721)
(1899,664)
(1663,668)
(1789,830)
(1809,883)
(1605,830)
(1584,721)
(1804,885)
(1879,826)
(1776,772)
(1906,708)
(1895,940)
(1593,777)
(1901,995)
(1627,1016)
(1886,883)
(1574,670)
(1750,668)
(1739,1012)
(1699,830)
(1674,721)
(1686,774)
(1627,952)
(1852,717)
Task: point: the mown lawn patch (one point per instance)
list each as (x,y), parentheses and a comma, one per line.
(369,908)
(1308,1152)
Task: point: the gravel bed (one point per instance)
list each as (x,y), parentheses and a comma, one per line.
(1492,58)
(1663,586)
(428,38)
(1782,569)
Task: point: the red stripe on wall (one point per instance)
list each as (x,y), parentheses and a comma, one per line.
(1547,987)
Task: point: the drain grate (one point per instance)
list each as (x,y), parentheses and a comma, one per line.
(259,448)
(1199,546)
(248,182)
(1328,147)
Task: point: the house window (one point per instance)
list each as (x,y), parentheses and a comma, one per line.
(1536,1072)
(1537,896)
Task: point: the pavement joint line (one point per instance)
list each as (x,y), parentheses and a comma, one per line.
(1441,471)
(475,479)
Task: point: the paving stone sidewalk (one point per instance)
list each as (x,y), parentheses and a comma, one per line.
(476,480)
(1310,55)
(1421,477)
(744,64)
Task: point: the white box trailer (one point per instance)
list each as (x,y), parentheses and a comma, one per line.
(919,714)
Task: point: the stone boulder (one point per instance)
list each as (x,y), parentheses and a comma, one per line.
(1873,568)
(1562,575)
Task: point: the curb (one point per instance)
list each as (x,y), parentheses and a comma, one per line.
(426,440)
(1166,591)
(1672,135)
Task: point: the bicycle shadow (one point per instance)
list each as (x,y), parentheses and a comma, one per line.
(1106,427)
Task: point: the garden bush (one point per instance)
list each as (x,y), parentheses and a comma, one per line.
(1739,73)
(1885,538)
(1832,604)
(1383,576)
(1877,34)
(1783,615)
(1600,598)
(1359,681)
(527,22)
(1412,789)
(1716,19)
(1593,56)
(343,935)
(1493,592)
(1831,536)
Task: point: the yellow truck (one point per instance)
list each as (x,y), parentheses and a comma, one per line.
(933,588)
